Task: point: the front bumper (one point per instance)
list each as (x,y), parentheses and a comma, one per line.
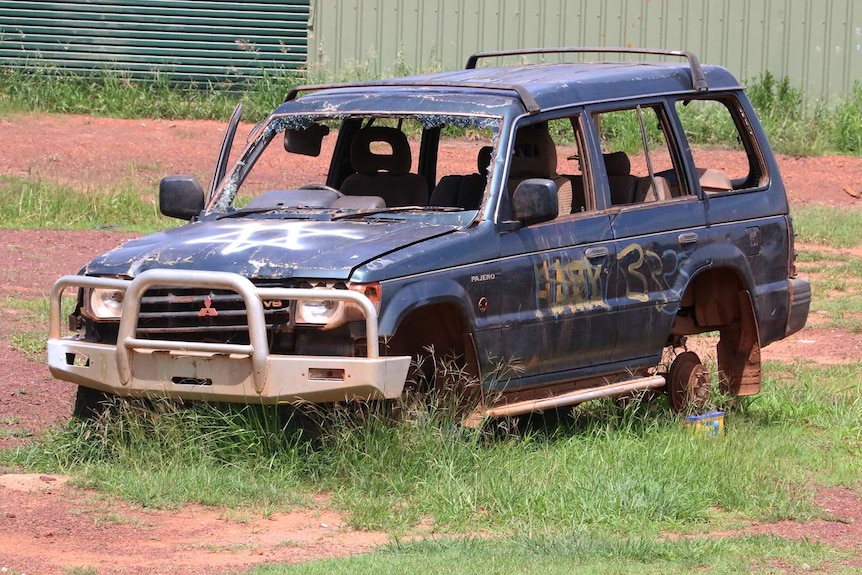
(214,371)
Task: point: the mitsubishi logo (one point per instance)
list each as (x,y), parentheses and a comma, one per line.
(208,310)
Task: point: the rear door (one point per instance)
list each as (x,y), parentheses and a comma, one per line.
(657,222)
(746,202)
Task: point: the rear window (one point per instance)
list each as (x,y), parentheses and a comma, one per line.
(725,154)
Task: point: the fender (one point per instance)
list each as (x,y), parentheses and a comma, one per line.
(412,296)
(716,256)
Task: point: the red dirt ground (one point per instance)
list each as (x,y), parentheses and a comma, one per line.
(49,527)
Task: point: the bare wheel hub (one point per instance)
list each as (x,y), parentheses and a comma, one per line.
(688,383)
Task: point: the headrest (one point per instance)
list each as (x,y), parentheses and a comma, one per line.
(483,160)
(617,164)
(534,154)
(365,161)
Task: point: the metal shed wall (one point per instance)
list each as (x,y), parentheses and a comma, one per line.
(816,43)
(199,40)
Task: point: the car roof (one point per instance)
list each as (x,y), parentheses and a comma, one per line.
(546,86)
(552,85)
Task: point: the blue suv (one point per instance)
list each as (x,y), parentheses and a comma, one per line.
(587,237)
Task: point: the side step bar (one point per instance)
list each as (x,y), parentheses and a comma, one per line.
(571,398)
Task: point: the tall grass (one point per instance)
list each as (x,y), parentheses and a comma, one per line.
(626,471)
(114,94)
(846,122)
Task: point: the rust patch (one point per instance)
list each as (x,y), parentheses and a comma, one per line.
(739,352)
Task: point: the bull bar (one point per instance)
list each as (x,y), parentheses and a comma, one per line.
(241,373)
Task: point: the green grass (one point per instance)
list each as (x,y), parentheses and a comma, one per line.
(599,492)
(32,203)
(45,89)
(828,226)
(836,279)
(579,553)
(632,471)
(29,334)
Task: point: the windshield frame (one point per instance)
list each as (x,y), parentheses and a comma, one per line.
(263,135)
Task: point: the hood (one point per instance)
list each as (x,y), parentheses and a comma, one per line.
(266,248)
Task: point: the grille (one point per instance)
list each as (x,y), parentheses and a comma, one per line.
(194,314)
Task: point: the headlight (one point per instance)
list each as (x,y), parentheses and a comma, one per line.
(334,313)
(319,311)
(104,304)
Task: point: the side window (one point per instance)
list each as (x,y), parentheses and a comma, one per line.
(637,155)
(551,149)
(725,156)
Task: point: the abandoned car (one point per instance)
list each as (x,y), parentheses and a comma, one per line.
(589,238)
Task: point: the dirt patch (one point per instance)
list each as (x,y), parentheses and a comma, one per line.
(48,526)
(842,526)
(30,399)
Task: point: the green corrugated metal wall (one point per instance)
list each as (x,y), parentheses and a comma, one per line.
(198,40)
(816,43)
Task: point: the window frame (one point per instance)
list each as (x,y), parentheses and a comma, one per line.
(670,127)
(576,118)
(747,136)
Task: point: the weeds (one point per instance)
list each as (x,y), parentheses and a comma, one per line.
(846,124)
(828,226)
(602,485)
(38,88)
(837,280)
(597,466)
(29,341)
(576,552)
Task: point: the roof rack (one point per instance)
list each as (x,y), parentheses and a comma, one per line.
(698,79)
(526,98)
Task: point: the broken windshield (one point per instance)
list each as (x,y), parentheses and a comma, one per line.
(296,164)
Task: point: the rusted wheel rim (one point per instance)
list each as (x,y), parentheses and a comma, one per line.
(688,384)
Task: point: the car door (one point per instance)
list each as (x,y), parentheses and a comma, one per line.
(555,283)
(657,223)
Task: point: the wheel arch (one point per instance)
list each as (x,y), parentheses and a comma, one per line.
(411,297)
(713,293)
(720,299)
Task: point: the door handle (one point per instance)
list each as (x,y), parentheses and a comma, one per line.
(688,238)
(596,253)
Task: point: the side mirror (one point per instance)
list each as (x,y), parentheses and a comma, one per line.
(535,201)
(181,197)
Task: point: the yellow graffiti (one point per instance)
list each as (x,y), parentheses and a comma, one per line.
(637,287)
(646,273)
(569,286)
